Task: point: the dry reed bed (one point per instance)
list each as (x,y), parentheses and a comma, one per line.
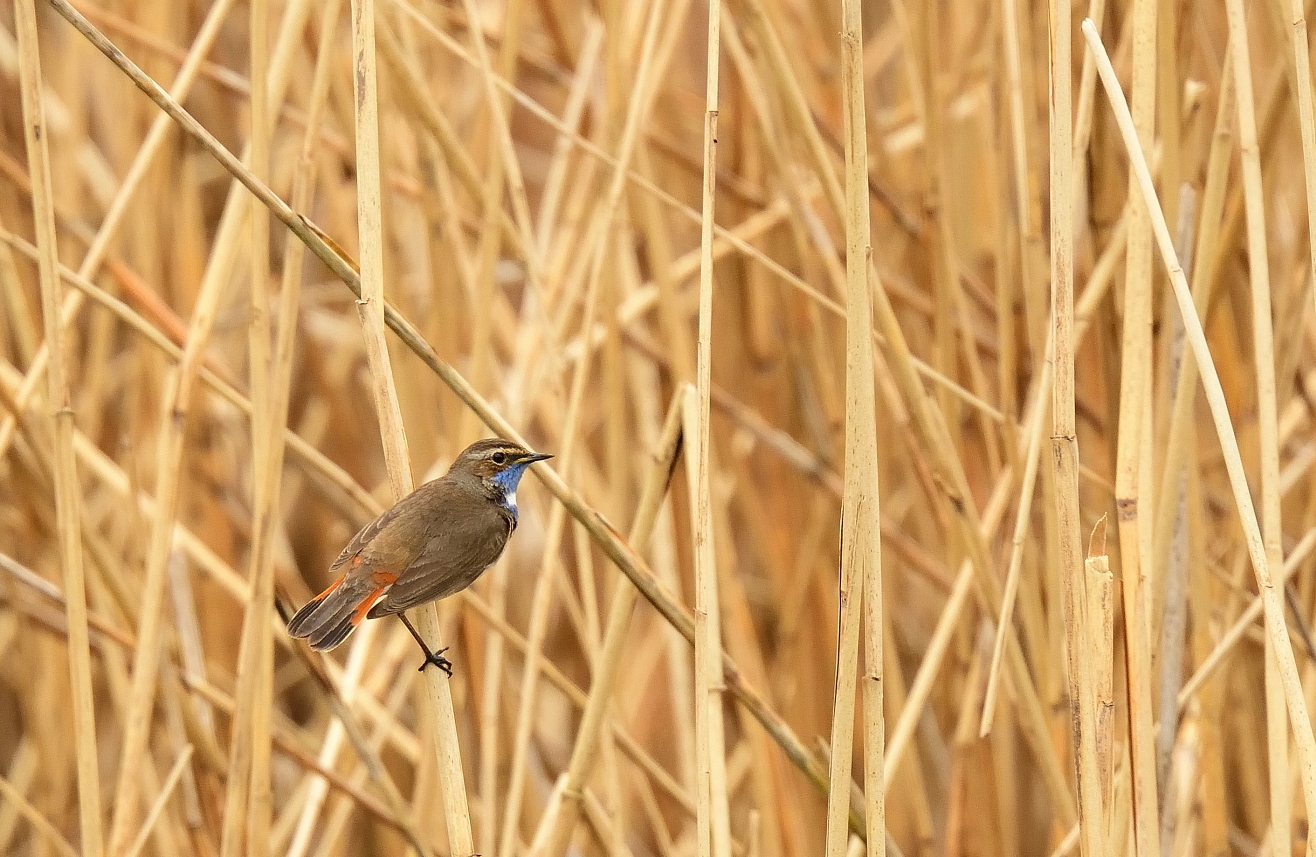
(528,195)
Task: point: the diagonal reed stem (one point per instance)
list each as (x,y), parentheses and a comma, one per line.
(599,529)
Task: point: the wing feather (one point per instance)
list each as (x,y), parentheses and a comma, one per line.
(362,538)
(451,561)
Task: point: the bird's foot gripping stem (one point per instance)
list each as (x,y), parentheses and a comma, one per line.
(438,660)
(435,658)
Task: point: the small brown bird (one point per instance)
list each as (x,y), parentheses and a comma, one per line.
(434,543)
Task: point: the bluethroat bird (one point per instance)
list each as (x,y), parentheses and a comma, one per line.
(434,543)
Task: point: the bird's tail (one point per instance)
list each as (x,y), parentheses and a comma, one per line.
(330,618)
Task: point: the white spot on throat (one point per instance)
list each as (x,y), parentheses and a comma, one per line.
(511,500)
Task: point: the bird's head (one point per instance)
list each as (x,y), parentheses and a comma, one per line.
(499,464)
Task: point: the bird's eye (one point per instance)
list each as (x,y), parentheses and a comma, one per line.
(499,458)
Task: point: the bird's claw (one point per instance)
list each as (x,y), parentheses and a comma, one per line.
(438,660)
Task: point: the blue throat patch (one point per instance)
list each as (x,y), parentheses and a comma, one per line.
(507,481)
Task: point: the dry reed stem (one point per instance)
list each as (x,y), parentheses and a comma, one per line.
(247,801)
(157,806)
(1005,623)
(1230,638)
(713,831)
(950,473)
(1264,358)
(1180,436)
(406,73)
(1099,654)
(318,787)
(1276,626)
(738,242)
(1306,123)
(502,172)
(370,309)
(508,169)
(861,549)
(549,573)
(39,822)
(584,753)
(1134,457)
(1026,203)
(1064,440)
(169,452)
(1087,87)
(941,639)
(146,155)
(597,249)
(1172,534)
(942,95)
(798,110)
(68,494)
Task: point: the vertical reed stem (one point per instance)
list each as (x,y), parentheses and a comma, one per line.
(1276,625)
(1134,455)
(861,553)
(68,493)
(1307,125)
(1267,419)
(714,832)
(370,308)
(248,803)
(1064,441)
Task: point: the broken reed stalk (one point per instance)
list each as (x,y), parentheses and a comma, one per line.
(1098,663)
(1276,626)
(713,826)
(1064,440)
(68,492)
(1095,291)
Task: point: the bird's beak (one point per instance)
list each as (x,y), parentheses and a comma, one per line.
(532,457)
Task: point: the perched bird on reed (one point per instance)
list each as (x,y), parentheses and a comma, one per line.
(434,543)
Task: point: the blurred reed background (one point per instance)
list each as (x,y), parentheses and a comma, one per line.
(568,299)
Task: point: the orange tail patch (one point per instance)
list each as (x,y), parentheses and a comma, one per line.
(384,580)
(323,595)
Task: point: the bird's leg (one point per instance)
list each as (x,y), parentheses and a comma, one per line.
(435,658)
